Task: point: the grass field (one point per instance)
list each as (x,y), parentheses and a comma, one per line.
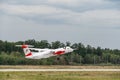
(56,67)
(59,75)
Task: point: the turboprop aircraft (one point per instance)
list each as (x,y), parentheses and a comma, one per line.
(36,53)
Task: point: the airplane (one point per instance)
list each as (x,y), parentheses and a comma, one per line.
(36,53)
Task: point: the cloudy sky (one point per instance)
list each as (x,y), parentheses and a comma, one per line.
(93,22)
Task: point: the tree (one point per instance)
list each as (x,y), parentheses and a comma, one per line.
(99,51)
(115,59)
(11,55)
(89,49)
(68,43)
(44,44)
(57,44)
(88,59)
(30,42)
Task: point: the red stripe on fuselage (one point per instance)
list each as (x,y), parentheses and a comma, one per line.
(29,54)
(59,52)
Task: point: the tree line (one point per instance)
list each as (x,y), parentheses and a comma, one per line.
(11,55)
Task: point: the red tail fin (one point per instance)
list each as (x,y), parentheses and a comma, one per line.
(26,49)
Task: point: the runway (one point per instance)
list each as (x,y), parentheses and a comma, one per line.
(45,70)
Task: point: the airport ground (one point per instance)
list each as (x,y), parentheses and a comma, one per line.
(57,67)
(59,75)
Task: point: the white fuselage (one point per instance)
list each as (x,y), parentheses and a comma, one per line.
(45,53)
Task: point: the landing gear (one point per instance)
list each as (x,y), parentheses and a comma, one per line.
(58,58)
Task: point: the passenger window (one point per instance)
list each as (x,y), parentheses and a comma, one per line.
(42,51)
(32,50)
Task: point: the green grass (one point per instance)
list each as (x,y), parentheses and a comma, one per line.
(59,75)
(56,67)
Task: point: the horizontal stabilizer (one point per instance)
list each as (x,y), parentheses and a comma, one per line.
(24,46)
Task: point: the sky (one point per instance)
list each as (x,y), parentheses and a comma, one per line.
(91,22)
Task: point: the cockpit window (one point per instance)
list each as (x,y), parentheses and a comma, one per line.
(66,48)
